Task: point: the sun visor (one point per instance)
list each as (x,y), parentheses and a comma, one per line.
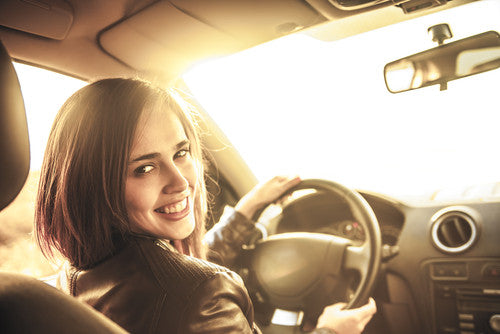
(50,18)
(170,36)
(253,21)
(158,35)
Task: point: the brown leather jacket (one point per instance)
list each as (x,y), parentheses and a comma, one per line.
(148,287)
(227,237)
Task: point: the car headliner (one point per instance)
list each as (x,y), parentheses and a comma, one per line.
(158,40)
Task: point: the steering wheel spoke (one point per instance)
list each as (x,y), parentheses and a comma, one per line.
(357,258)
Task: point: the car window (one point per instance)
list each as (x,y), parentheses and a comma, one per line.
(43,93)
(320,109)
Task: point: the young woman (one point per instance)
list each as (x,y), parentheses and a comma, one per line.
(122,197)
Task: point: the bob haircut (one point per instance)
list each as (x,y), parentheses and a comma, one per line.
(80,209)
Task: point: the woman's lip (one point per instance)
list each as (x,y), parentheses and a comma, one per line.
(177,215)
(176,206)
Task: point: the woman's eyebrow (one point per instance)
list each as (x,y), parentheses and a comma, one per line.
(182,144)
(146,157)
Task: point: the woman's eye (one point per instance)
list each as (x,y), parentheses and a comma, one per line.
(143,169)
(181,153)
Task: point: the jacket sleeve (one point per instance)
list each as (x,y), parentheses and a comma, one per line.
(226,238)
(220,304)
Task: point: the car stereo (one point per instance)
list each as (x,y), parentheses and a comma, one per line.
(466,296)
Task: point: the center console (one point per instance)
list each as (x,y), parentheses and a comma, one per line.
(466,296)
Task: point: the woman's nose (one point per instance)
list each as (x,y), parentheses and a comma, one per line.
(174,181)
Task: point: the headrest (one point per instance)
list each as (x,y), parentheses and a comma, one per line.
(14,142)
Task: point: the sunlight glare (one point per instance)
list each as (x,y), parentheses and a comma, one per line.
(321,109)
(44,92)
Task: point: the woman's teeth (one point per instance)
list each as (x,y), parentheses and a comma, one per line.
(174,208)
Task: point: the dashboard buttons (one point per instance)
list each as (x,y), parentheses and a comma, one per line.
(466,325)
(449,270)
(491,271)
(444,291)
(466,317)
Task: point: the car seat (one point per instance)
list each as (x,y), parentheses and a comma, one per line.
(28,305)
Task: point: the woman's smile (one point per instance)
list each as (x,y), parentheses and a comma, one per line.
(176,210)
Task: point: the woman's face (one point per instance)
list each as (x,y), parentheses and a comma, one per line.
(161,178)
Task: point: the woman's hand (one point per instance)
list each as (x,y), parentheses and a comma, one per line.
(351,321)
(265,193)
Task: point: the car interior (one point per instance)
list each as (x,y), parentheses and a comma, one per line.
(364,99)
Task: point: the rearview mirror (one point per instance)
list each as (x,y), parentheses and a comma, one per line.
(444,63)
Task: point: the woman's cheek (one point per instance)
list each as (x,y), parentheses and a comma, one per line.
(137,195)
(191,172)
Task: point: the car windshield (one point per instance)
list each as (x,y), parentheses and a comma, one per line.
(320,109)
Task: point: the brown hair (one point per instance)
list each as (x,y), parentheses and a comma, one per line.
(80,209)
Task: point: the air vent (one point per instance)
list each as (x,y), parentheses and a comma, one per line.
(454,230)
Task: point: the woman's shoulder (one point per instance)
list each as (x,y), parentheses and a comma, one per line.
(144,260)
(150,276)
(168,265)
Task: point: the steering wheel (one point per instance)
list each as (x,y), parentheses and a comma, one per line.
(301,271)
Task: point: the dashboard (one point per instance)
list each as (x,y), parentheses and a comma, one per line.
(445,277)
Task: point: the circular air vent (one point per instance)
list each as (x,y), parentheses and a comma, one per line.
(454,230)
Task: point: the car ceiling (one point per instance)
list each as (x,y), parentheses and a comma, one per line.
(158,40)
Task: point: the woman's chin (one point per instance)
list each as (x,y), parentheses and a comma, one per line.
(182,229)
